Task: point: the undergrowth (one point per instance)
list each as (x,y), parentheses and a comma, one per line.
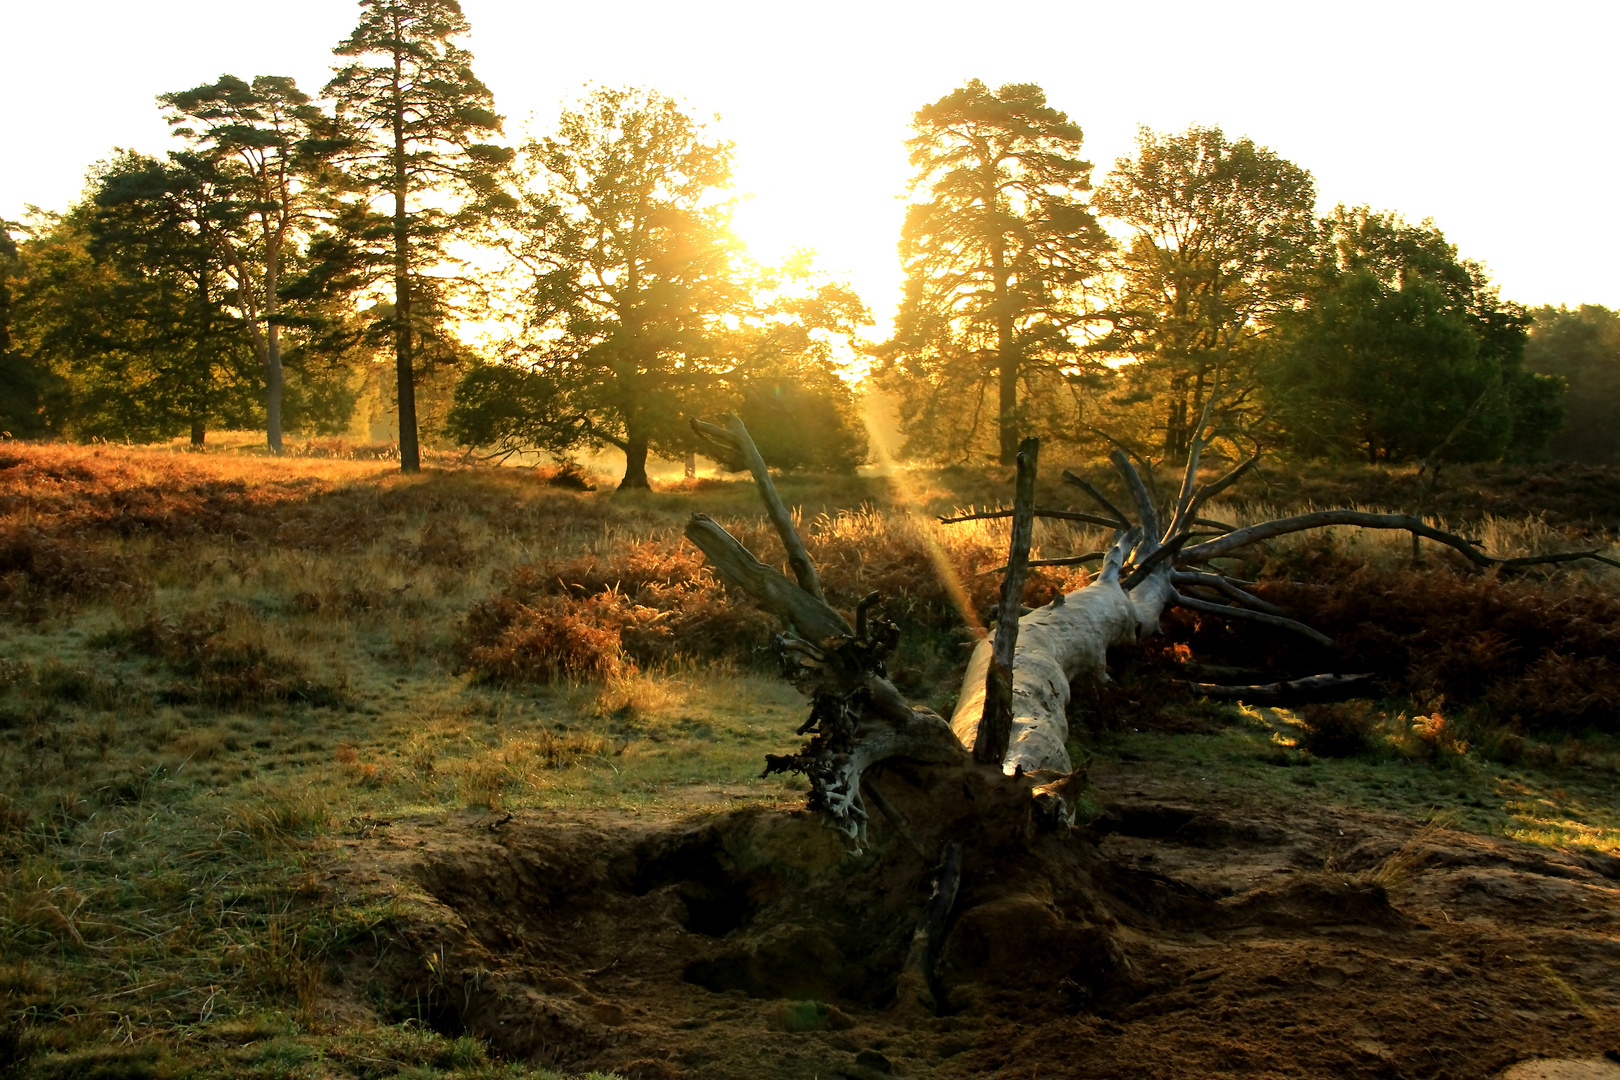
(213,670)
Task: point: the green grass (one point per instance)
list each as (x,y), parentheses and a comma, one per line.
(1566,803)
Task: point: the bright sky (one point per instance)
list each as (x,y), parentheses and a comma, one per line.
(1498,120)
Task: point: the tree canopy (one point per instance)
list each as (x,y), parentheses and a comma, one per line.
(641,311)
(1582,347)
(1220,235)
(998,251)
(418,119)
(1405,350)
(265,149)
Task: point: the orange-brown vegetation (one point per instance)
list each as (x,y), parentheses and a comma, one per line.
(263,723)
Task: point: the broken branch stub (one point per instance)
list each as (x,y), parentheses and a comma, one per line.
(858,719)
(990,741)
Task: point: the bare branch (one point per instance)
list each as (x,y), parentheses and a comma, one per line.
(1208,491)
(735,435)
(811,615)
(1149,517)
(1102,500)
(1040,512)
(1313,687)
(1253,616)
(1225,585)
(1266,530)
(995,728)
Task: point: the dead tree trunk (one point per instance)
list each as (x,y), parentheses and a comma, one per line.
(859,719)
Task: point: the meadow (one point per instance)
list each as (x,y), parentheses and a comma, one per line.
(218,672)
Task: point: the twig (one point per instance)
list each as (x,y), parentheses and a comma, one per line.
(1040,512)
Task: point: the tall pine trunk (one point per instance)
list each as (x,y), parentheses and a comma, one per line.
(199,431)
(274,377)
(410,456)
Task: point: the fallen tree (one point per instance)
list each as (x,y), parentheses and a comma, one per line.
(1012,708)
(997,776)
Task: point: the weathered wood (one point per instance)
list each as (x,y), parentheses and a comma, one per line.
(1229,612)
(1118,515)
(811,616)
(990,741)
(1267,530)
(735,436)
(1208,491)
(1066,640)
(1040,512)
(1312,688)
(1227,586)
(1147,514)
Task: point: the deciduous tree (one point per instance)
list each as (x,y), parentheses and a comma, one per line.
(1222,235)
(999,250)
(1404,350)
(642,312)
(1581,346)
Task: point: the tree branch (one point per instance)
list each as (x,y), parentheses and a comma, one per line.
(1253,616)
(1040,512)
(735,434)
(1102,500)
(995,727)
(1225,585)
(1266,530)
(810,615)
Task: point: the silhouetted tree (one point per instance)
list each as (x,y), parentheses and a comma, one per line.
(417,114)
(998,250)
(642,312)
(1222,236)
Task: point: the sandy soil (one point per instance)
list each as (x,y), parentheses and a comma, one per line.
(1181,935)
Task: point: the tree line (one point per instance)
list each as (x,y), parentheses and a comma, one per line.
(267,271)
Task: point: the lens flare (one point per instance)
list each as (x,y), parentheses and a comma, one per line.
(881,426)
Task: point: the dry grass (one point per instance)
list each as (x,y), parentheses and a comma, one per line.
(211,665)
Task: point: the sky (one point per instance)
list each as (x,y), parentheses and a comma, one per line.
(1496,120)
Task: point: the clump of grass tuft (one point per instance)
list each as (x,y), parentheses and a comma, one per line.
(1339,730)
(222,659)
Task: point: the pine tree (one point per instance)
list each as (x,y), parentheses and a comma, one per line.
(997,254)
(415,112)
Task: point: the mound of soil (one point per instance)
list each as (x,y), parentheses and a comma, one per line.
(1174,937)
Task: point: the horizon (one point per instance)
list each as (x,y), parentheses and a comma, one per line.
(819,114)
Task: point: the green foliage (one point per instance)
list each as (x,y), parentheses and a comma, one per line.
(804,423)
(1222,235)
(997,255)
(642,312)
(125,304)
(1404,350)
(27,389)
(414,114)
(1582,347)
(266,152)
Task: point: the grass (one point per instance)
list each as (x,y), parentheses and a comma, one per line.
(213,666)
(1561,797)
